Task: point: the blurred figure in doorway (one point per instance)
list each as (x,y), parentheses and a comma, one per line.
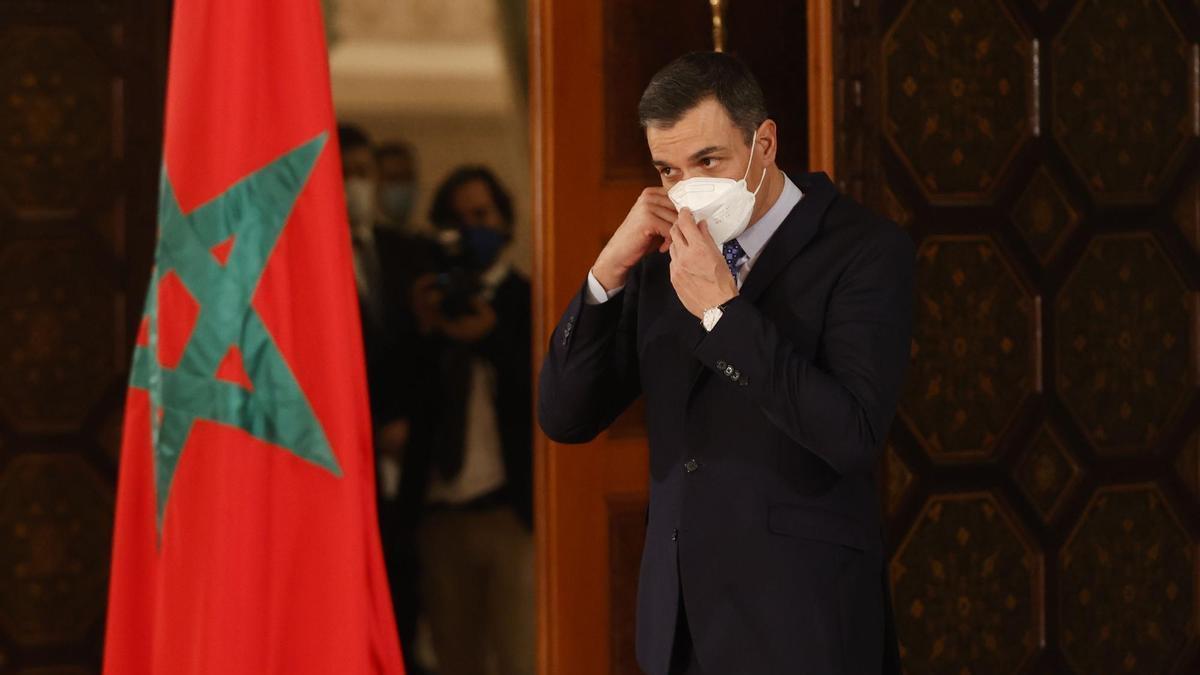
(469,471)
(387,260)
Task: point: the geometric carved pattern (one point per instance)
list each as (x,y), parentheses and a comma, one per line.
(967,588)
(55,529)
(956,95)
(1083,221)
(898,478)
(1121,82)
(1123,343)
(55,118)
(1044,216)
(81,90)
(1128,593)
(973,348)
(59,337)
(1047,473)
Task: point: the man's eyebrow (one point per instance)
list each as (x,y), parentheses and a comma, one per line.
(710,150)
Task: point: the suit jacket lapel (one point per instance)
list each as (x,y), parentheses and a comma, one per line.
(793,234)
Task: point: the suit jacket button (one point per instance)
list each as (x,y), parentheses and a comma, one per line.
(728,370)
(675,535)
(691,465)
(721,365)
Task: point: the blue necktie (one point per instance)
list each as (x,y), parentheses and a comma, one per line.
(733,255)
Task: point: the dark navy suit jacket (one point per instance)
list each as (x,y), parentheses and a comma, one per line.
(765,439)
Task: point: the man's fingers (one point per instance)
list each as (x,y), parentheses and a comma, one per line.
(705,235)
(663,213)
(659,227)
(687,225)
(660,198)
(677,235)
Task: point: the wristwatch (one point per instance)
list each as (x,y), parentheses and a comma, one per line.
(713,314)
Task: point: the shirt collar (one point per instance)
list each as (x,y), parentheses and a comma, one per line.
(755,238)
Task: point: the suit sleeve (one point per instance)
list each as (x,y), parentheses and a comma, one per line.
(841,406)
(590,373)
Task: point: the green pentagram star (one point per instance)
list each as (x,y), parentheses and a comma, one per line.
(250,214)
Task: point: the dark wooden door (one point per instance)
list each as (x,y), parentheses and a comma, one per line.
(1042,477)
(81,92)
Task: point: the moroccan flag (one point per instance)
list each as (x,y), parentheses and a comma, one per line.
(246,538)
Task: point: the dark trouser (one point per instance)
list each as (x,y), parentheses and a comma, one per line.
(683,653)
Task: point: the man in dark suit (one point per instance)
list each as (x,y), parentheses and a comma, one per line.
(468,472)
(770,341)
(387,261)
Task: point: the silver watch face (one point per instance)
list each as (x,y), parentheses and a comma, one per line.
(711,315)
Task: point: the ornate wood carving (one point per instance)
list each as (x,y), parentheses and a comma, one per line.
(81,95)
(1077,122)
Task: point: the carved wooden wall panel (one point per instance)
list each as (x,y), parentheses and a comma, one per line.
(81,91)
(1043,155)
(968,589)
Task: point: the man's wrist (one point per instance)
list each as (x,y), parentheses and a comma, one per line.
(608,277)
(712,315)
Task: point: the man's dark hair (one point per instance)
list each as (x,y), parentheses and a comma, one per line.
(351,137)
(441,213)
(393,149)
(690,79)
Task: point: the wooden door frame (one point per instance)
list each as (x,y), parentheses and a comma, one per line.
(545,307)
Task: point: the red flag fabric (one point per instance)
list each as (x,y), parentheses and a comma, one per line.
(246,539)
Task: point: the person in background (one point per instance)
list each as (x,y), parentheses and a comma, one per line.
(397,190)
(360,172)
(386,262)
(469,469)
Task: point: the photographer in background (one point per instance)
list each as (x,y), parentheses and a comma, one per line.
(468,471)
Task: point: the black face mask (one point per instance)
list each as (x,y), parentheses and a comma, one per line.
(483,244)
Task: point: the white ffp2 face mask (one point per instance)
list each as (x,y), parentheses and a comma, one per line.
(360,201)
(724,203)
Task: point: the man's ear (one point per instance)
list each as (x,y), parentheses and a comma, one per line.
(768,140)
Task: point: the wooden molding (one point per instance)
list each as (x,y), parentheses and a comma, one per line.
(820,86)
